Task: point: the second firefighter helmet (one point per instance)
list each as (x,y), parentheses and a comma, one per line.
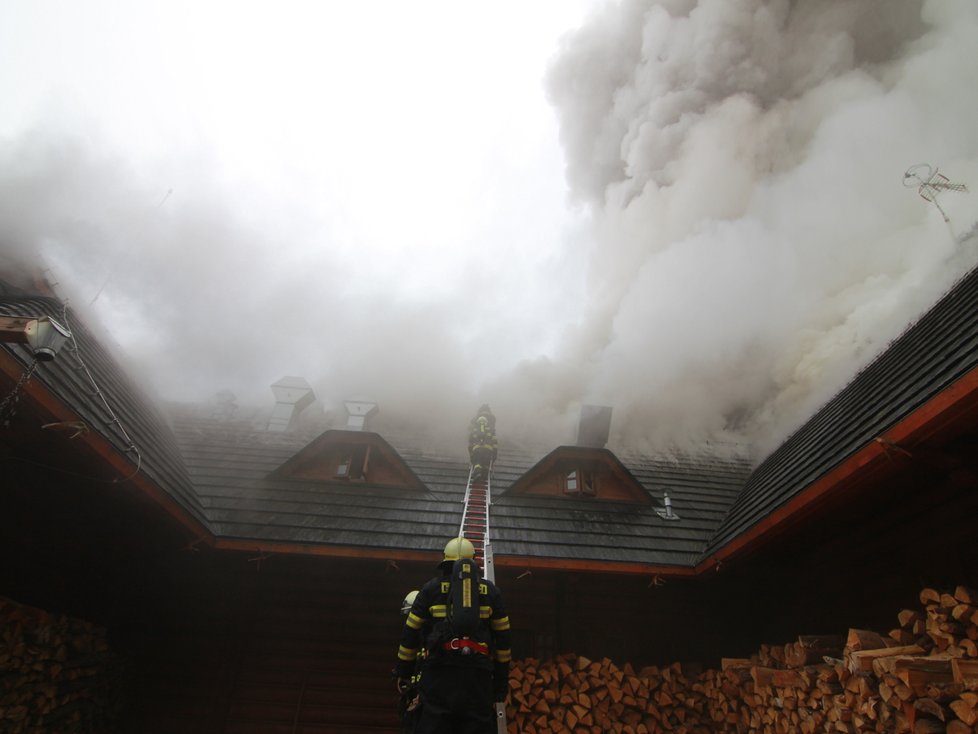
(408,601)
(458,548)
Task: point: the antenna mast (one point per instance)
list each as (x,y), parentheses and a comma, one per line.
(929,183)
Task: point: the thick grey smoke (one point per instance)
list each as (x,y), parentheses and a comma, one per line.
(202,294)
(749,243)
(743,161)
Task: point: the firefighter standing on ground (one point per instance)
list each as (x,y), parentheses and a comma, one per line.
(462,676)
(483,445)
(410,703)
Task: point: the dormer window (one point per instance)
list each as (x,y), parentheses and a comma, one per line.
(338,457)
(579,472)
(580,481)
(354,462)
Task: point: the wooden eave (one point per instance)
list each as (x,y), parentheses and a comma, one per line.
(948,414)
(551,465)
(311,456)
(592,566)
(122,471)
(326,551)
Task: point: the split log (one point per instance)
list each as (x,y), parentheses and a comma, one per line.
(966,708)
(864,640)
(861,661)
(921,671)
(965,672)
(810,649)
(966,595)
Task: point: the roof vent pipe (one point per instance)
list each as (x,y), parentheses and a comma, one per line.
(594,426)
(667,513)
(358,411)
(292,396)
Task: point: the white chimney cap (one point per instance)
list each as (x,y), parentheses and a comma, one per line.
(358,410)
(292,396)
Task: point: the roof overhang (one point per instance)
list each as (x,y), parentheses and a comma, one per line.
(88,447)
(948,414)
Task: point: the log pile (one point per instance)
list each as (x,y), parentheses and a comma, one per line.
(919,678)
(56,673)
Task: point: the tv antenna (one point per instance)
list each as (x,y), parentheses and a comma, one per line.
(929,183)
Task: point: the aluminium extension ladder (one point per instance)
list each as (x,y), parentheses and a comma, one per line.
(475,528)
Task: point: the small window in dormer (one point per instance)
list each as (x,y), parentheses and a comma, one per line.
(587,484)
(354,463)
(579,482)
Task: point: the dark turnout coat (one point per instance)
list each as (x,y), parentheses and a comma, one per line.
(428,626)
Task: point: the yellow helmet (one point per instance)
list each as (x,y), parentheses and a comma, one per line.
(458,548)
(408,601)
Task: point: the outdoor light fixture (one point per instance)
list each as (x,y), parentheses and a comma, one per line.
(42,334)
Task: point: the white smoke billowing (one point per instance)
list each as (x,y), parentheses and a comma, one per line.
(748,246)
(743,160)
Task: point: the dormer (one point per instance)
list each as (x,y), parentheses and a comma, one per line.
(581,472)
(355,457)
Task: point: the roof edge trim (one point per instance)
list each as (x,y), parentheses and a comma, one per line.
(939,412)
(560,564)
(334,551)
(103,448)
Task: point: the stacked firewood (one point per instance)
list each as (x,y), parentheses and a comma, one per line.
(56,673)
(573,694)
(920,678)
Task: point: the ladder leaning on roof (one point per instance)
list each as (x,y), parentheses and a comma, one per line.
(475,527)
(475,521)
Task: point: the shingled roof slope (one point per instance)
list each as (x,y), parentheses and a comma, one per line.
(930,355)
(232,463)
(701,491)
(158,455)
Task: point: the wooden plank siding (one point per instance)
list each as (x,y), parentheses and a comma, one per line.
(292,645)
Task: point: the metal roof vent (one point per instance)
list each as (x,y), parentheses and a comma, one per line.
(292,396)
(358,410)
(594,427)
(666,513)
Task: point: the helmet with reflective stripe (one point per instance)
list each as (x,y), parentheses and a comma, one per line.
(458,548)
(408,602)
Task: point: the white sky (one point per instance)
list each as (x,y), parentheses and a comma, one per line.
(372,195)
(413,140)
(401,125)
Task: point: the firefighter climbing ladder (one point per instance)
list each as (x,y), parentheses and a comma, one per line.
(475,527)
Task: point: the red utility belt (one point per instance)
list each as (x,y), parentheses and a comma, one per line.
(465,646)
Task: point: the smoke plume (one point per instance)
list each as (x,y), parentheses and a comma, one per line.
(736,243)
(742,162)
